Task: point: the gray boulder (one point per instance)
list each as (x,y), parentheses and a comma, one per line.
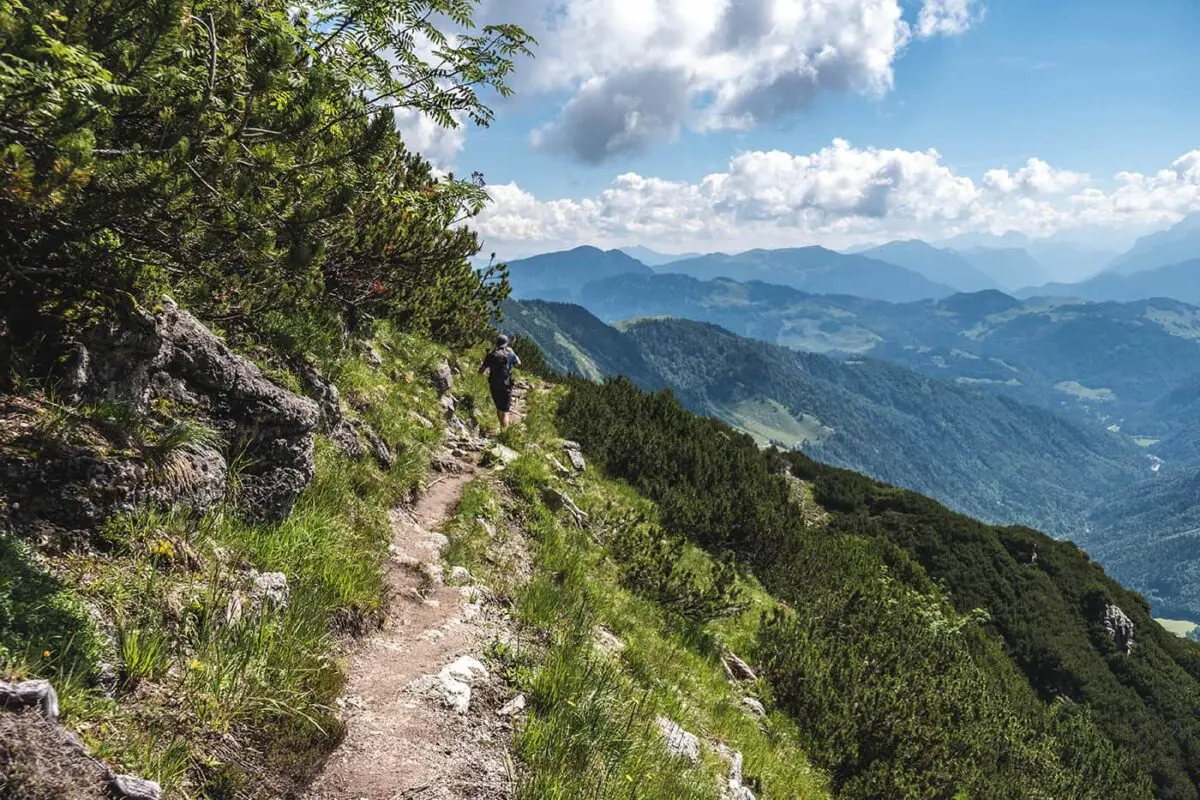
(754,707)
(196,476)
(500,454)
(30,694)
(129,787)
(269,591)
(170,356)
(378,448)
(680,743)
(734,788)
(576,459)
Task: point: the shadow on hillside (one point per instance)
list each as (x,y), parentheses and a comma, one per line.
(42,626)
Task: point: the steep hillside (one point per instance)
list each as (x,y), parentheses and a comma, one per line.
(558,275)
(864,563)
(1148,536)
(573,342)
(984,454)
(815,270)
(939,266)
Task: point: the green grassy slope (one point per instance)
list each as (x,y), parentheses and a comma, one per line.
(593,704)
(175,686)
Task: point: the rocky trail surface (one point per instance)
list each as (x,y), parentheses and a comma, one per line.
(420,707)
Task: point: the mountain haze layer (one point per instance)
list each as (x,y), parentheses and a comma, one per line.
(816,270)
(1179,243)
(653,258)
(1011,267)
(941,266)
(1179,281)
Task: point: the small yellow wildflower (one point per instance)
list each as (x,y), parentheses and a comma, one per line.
(45,654)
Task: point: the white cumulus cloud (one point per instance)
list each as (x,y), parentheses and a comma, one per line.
(1035,178)
(634,73)
(947,17)
(436,144)
(839,196)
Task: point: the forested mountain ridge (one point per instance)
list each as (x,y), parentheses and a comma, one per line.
(1148,537)
(241,331)
(574,342)
(1118,363)
(990,456)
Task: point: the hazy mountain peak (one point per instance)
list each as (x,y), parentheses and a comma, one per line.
(818,270)
(942,266)
(654,258)
(559,275)
(1008,267)
(1179,243)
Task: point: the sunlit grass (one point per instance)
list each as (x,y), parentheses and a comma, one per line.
(591,731)
(165,662)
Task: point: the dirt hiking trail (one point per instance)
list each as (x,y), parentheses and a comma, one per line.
(419,707)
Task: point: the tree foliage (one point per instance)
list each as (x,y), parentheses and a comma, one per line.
(245,157)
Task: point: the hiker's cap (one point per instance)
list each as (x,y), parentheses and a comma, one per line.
(501,340)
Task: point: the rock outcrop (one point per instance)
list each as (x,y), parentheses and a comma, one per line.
(734,789)
(575,455)
(736,669)
(1119,628)
(39,695)
(679,742)
(166,362)
(355,438)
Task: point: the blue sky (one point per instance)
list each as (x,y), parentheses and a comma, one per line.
(816,124)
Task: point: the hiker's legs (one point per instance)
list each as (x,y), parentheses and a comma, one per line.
(502,397)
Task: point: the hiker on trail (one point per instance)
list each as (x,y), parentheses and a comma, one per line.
(498,365)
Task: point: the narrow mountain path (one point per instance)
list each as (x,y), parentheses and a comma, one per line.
(410,734)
